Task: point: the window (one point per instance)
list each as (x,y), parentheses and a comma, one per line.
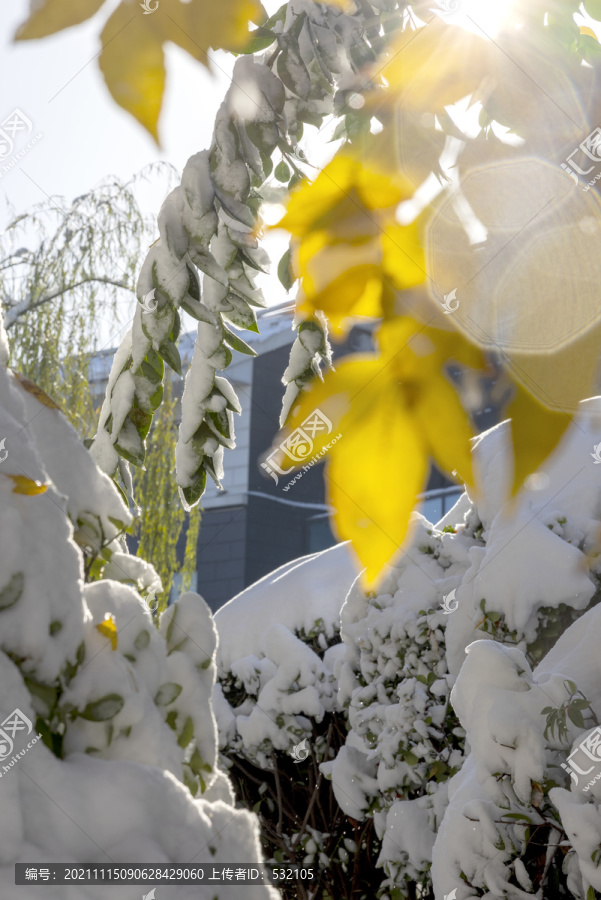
(318,534)
(436,504)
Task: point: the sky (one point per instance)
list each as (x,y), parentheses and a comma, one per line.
(57,86)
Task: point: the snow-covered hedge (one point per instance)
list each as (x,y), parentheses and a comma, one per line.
(279,719)
(125,768)
(458,758)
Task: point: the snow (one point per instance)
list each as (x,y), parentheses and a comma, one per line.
(425,689)
(447,747)
(279,642)
(295,596)
(353,780)
(133,717)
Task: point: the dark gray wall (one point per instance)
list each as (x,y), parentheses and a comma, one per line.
(222,553)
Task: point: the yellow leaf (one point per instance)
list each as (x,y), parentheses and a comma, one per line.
(28,486)
(445,427)
(37,392)
(584,29)
(375,472)
(561,379)
(132,59)
(452,345)
(349,247)
(535,433)
(132,62)
(49,16)
(417,356)
(356,292)
(403,255)
(344,185)
(108,629)
(344,396)
(387,413)
(433,66)
(199,24)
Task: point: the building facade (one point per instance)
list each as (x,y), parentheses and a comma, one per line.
(254,525)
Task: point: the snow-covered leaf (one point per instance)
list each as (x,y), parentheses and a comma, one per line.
(104,709)
(167,693)
(237,343)
(11,592)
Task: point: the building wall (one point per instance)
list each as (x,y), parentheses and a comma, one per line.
(221,561)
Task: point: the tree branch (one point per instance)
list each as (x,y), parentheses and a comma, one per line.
(23,306)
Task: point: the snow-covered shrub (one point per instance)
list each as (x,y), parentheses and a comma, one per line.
(125,767)
(279,719)
(458,759)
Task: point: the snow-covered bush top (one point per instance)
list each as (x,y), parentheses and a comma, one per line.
(455,756)
(125,770)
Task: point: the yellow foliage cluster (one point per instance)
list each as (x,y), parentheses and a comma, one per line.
(355,256)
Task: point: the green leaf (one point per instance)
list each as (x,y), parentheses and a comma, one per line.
(141,419)
(47,693)
(259,40)
(249,261)
(266,163)
(187,733)
(102,710)
(282,172)
(285,273)
(593,8)
(130,445)
(293,72)
(339,131)
(55,627)
(169,352)
(581,703)
(237,343)
(196,309)
(197,763)
(191,784)
(576,716)
(142,640)
(240,311)
(171,625)
(518,816)
(221,423)
(167,693)
(589,49)
(193,492)
(11,592)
